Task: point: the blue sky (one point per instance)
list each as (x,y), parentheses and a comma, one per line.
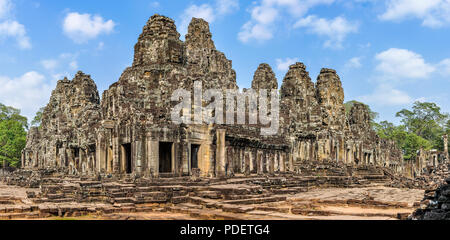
(388,53)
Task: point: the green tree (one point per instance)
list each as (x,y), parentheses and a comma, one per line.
(412,144)
(10,113)
(426,121)
(388,130)
(13,134)
(12,141)
(38,118)
(422,127)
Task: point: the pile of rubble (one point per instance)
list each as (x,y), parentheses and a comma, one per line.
(432,179)
(29,178)
(436,205)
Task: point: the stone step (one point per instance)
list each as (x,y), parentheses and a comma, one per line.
(241,197)
(293,190)
(177,200)
(7,202)
(124,200)
(151,197)
(118,194)
(60,200)
(209,194)
(54,196)
(202,201)
(256,200)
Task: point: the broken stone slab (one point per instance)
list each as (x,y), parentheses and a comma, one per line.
(236,208)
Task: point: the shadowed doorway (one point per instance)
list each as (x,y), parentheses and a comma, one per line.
(165,157)
(126,157)
(194,155)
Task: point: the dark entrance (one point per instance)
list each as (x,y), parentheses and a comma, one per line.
(165,157)
(194,155)
(126,148)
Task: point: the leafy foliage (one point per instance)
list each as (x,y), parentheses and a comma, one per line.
(10,113)
(422,127)
(38,118)
(13,134)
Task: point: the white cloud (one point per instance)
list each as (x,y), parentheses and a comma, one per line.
(265,13)
(10,28)
(28,92)
(433,13)
(155,4)
(207,12)
(259,32)
(284,64)
(204,11)
(84,27)
(17,31)
(5,8)
(354,63)
(64,62)
(49,64)
(336,30)
(100,46)
(444,67)
(227,6)
(385,95)
(397,64)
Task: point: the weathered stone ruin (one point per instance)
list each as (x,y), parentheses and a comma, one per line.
(129,130)
(427,162)
(436,204)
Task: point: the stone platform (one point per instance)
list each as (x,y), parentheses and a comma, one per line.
(280,197)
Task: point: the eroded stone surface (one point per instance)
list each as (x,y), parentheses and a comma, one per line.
(129,133)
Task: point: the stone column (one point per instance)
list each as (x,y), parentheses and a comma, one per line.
(116,157)
(259,162)
(446,147)
(184,155)
(220,152)
(138,162)
(152,158)
(22,159)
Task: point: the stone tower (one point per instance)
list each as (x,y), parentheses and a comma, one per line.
(330,96)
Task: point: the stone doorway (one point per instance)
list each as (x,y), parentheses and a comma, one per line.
(195,149)
(165,157)
(126,158)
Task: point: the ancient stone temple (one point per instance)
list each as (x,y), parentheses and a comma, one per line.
(130,131)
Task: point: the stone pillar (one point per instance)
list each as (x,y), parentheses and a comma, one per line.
(138,156)
(246,162)
(22,160)
(282,163)
(116,157)
(259,161)
(152,158)
(271,162)
(220,153)
(184,157)
(446,147)
(276,164)
(243,160)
